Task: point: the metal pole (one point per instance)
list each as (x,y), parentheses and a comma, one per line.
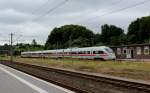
(71,46)
(93,40)
(57,51)
(11,44)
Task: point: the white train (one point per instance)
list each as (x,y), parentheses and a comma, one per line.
(102,52)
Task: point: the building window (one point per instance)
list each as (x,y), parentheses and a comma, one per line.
(146,50)
(119,51)
(138,50)
(124,50)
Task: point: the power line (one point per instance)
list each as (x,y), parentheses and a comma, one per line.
(52,9)
(39,8)
(113,3)
(119,10)
(109,5)
(128,7)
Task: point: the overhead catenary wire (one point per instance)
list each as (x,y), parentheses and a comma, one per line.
(119,10)
(109,5)
(39,8)
(51,10)
(112,4)
(128,7)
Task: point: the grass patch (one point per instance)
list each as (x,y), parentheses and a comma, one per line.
(134,70)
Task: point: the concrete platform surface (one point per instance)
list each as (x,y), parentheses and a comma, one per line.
(14,81)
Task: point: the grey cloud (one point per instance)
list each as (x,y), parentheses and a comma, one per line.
(18,16)
(11,16)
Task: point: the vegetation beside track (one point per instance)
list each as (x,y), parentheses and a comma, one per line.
(128,69)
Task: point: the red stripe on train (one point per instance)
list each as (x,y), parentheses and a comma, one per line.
(79,54)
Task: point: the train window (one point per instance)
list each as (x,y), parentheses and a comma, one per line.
(80,52)
(74,53)
(108,50)
(48,53)
(94,52)
(119,51)
(66,52)
(138,50)
(146,50)
(98,52)
(83,52)
(87,52)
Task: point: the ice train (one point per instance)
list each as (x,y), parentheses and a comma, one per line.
(101,52)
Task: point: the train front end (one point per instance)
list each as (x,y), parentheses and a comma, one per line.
(110,54)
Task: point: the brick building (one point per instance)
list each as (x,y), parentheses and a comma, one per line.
(134,51)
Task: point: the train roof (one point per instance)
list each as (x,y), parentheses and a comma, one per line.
(68,49)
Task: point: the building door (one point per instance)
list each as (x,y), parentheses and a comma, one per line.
(128,54)
(132,53)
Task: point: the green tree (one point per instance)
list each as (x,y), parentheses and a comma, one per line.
(139,30)
(21,47)
(98,40)
(69,36)
(111,35)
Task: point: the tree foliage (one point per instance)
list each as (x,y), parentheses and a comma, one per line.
(69,36)
(139,30)
(21,47)
(112,35)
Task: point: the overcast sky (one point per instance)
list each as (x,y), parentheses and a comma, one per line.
(29,19)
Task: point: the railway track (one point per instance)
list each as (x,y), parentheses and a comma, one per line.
(82,82)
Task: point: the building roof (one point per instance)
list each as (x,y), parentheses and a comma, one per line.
(132,45)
